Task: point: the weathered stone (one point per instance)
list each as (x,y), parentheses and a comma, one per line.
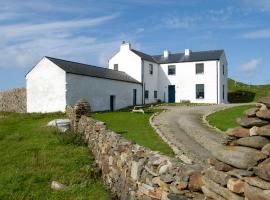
(251,112)
(160,183)
(252,121)
(164,168)
(181,185)
(239,157)
(135,170)
(167,177)
(240,173)
(264,131)
(253,131)
(220,166)
(254,193)
(263,114)
(266,149)
(235,185)
(255,141)
(195,181)
(177,197)
(208,193)
(265,101)
(238,132)
(58,186)
(224,192)
(263,170)
(217,176)
(257,182)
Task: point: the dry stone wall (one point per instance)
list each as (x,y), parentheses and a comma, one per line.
(242,169)
(13,100)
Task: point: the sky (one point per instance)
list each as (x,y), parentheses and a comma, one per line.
(91,32)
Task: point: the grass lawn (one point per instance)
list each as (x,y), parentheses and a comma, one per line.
(135,127)
(227,118)
(32,156)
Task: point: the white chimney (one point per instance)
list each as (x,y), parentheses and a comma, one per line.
(125,46)
(166,54)
(187,52)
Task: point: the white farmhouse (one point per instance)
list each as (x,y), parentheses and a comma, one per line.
(198,77)
(133,78)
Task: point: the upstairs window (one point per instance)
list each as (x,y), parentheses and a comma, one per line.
(199,91)
(151,69)
(146,94)
(171,70)
(199,68)
(155,94)
(115,67)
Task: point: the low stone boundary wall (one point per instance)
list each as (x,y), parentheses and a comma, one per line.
(13,100)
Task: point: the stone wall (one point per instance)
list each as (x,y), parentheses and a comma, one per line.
(242,169)
(131,171)
(13,100)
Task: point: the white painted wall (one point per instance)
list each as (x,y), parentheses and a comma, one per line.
(97,92)
(46,88)
(186,79)
(127,62)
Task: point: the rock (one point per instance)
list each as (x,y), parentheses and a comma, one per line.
(58,186)
(217,176)
(266,149)
(238,132)
(257,182)
(239,157)
(240,173)
(263,114)
(263,170)
(235,185)
(224,192)
(254,193)
(163,169)
(220,166)
(82,107)
(177,197)
(265,101)
(167,177)
(249,122)
(251,112)
(264,131)
(181,185)
(184,158)
(62,125)
(195,181)
(208,193)
(255,141)
(136,168)
(160,183)
(253,131)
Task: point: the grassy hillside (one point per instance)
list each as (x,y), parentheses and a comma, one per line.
(243,93)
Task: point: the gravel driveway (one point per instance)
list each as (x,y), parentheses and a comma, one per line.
(183,125)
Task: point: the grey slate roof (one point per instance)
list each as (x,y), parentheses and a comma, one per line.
(180,57)
(90,70)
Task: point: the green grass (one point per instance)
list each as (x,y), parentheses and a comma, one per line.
(135,127)
(227,118)
(243,93)
(32,156)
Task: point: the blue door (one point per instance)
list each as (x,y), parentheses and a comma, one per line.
(171,93)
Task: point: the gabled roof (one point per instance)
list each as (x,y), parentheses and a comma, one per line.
(90,70)
(180,57)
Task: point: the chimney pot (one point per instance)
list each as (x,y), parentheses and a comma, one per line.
(125,46)
(187,52)
(166,54)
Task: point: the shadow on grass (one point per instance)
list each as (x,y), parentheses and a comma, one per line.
(241,96)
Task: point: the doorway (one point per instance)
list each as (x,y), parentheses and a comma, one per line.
(134,97)
(171,93)
(112,102)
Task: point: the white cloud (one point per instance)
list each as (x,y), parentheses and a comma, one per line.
(262,5)
(259,34)
(185,22)
(249,68)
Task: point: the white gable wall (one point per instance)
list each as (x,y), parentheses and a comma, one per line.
(97,92)
(46,88)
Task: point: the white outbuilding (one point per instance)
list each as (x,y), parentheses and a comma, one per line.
(54,84)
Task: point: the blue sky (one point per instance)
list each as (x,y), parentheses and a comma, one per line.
(91,31)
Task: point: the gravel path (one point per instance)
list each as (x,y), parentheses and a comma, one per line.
(183,126)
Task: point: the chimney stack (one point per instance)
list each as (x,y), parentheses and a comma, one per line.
(125,46)
(166,54)
(187,52)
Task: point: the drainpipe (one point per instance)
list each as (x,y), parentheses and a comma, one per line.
(217,82)
(143,86)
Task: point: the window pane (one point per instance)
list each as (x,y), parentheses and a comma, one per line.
(171,70)
(155,94)
(115,67)
(199,68)
(199,91)
(150,68)
(146,94)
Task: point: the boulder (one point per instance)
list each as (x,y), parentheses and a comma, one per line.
(264,131)
(266,149)
(251,112)
(254,193)
(263,170)
(239,157)
(217,176)
(257,182)
(255,141)
(252,121)
(62,125)
(238,132)
(263,114)
(195,181)
(235,185)
(265,101)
